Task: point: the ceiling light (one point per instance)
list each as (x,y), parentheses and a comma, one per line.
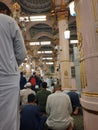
(45,43)
(25,19)
(32,18)
(67,34)
(49,63)
(73,41)
(48,58)
(72,9)
(34,43)
(40,43)
(42,52)
(38,18)
(48,51)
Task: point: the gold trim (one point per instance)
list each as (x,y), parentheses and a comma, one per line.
(97,30)
(90,94)
(94,2)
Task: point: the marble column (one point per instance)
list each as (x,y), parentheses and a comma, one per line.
(64,51)
(87,30)
(77,67)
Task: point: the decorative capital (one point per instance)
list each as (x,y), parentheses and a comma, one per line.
(16,7)
(62,14)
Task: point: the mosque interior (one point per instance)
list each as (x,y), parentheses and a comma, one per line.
(63,45)
(41,35)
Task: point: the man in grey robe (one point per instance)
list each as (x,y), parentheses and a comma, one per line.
(12,54)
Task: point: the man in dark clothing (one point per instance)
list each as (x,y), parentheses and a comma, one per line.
(74,97)
(42,97)
(30,116)
(22,81)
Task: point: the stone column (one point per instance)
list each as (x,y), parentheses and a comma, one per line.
(77,67)
(87,30)
(64,52)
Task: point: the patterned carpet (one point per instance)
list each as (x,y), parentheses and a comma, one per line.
(78,122)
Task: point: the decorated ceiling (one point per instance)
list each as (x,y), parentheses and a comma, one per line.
(35,6)
(44,30)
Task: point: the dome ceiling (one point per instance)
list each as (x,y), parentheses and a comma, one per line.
(35,6)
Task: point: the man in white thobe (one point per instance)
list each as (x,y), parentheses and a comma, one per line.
(59,109)
(12,54)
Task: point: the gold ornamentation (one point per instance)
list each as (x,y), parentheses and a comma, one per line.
(82,62)
(95,8)
(83,74)
(16,6)
(90,94)
(79,40)
(81,54)
(97,30)
(62,14)
(66,73)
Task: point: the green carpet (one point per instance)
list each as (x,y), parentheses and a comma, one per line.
(78,120)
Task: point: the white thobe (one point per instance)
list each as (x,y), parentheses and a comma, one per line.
(12,54)
(24,93)
(59,109)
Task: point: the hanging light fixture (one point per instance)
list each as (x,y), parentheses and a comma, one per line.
(72,9)
(67,34)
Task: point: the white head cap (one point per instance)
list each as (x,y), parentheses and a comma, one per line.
(28,84)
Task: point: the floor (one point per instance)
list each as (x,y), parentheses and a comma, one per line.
(78,120)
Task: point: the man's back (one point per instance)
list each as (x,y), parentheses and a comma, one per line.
(42,98)
(30,117)
(58,108)
(24,95)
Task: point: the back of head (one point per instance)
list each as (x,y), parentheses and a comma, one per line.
(44,84)
(31,98)
(21,73)
(57,87)
(4,7)
(34,73)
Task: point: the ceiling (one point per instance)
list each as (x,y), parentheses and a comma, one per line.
(44,31)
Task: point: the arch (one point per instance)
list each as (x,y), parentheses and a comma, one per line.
(31,24)
(43,34)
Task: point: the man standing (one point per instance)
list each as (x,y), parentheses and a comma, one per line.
(12,54)
(59,109)
(23,80)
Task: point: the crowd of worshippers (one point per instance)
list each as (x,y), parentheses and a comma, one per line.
(46,110)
